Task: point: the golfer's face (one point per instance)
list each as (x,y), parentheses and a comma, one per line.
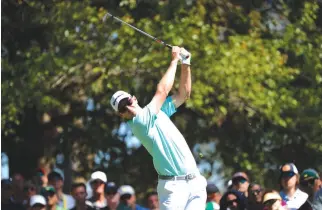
(133,101)
(123,107)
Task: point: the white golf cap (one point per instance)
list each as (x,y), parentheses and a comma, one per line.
(117,97)
(126,189)
(37,199)
(98,175)
(271,196)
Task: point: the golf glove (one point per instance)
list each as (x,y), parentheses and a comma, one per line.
(185,56)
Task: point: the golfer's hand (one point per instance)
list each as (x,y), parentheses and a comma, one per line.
(185,56)
(176,53)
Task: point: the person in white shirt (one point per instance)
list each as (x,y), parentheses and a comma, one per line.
(289,181)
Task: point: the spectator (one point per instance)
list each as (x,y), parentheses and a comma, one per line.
(240,182)
(41,178)
(273,201)
(310,183)
(128,199)
(255,195)
(112,196)
(29,190)
(6,196)
(213,197)
(290,193)
(233,200)
(56,180)
(37,202)
(152,200)
(51,196)
(79,194)
(98,180)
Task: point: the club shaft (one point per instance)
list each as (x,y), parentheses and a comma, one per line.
(142,32)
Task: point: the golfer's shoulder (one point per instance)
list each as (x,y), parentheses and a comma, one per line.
(144,116)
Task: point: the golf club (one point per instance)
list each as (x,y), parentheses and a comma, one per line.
(142,32)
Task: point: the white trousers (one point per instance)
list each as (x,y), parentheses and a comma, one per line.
(182,195)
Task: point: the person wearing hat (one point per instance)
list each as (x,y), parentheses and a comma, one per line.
(273,201)
(240,182)
(290,193)
(128,199)
(37,202)
(97,182)
(56,179)
(51,197)
(310,183)
(213,197)
(112,195)
(151,124)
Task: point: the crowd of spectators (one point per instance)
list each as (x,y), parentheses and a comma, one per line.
(301,191)
(298,191)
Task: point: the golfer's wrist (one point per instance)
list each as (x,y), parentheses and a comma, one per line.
(185,66)
(175,61)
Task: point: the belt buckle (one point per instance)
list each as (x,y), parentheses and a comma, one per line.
(189,176)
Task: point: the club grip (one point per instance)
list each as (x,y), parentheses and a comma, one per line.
(168,46)
(182,55)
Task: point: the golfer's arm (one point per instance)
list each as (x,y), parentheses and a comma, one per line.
(164,86)
(184,86)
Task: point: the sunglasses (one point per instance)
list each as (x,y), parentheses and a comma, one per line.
(239,180)
(307,183)
(124,103)
(110,192)
(288,174)
(38,205)
(230,202)
(125,196)
(256,192)
(99,182)
(270,202)
(49,194)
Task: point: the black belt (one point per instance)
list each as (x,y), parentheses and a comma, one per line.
(185,177)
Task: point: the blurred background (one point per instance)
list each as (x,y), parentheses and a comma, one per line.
(256,99)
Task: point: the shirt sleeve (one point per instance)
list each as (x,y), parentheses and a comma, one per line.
(168,107)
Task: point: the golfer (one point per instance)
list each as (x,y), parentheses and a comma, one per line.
(180,184)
